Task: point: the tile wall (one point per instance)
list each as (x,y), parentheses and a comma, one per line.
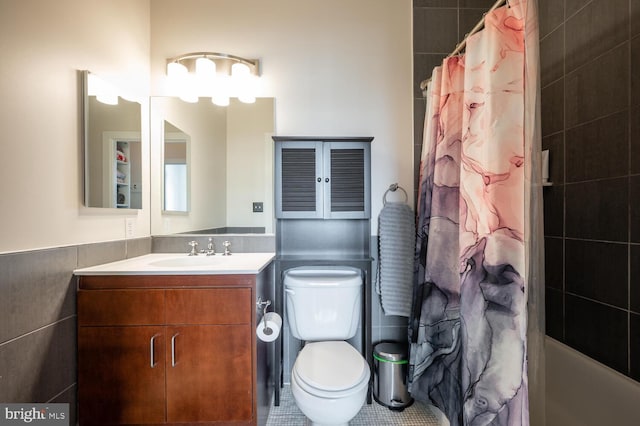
(590,75)
(38,327)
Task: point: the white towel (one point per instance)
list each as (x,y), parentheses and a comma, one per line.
(396,233)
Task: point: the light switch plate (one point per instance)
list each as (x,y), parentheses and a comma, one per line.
(130,227)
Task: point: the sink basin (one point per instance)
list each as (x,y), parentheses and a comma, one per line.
(180,262)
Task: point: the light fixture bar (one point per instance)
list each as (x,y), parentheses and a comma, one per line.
(223,61)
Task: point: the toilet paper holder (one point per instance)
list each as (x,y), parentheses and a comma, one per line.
(264,304)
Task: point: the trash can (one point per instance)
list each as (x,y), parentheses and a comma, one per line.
(389,376)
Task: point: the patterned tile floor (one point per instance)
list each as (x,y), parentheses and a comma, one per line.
(418,414)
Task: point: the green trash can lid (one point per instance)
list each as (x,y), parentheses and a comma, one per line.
(391,352)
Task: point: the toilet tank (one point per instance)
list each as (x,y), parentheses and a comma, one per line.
(323,302)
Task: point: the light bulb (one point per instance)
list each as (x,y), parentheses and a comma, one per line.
(220,99)
(205,67)
(240,70)
(176,69)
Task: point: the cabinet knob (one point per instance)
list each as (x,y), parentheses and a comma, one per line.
(326,180)
(319,179)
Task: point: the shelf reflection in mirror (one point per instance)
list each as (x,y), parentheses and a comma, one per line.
(229,166)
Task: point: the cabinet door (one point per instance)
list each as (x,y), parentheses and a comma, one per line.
(347,180)
(329,180)
(209,373)
(299,180)
(121,375)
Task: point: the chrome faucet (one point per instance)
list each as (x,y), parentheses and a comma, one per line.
(193,251)
(211,248)
(227,250)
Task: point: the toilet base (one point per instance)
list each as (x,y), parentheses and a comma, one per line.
(329,412)
(310,423)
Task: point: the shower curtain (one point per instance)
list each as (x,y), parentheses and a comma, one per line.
(476,319)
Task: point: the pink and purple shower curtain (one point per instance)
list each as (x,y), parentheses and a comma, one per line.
(468,330)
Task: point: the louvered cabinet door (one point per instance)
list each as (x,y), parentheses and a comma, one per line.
(346,180)
(299,187)
(322,180)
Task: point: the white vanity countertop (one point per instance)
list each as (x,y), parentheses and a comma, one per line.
(183,264)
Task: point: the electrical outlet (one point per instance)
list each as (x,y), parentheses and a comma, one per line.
(258,207)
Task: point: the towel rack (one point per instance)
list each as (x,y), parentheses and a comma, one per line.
(393,188)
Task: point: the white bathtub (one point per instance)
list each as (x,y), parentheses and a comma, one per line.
(583,392)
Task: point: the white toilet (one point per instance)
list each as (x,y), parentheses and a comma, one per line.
(330,378)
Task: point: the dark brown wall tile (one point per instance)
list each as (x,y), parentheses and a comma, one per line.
(478,4)
(634,350)
(634,197)
(468,19)
(550,14)
(555,145)
(553,210)
(435,3)
(599,131)
(634,278)
(635,71)
(634,140)
(598,149)
(552,57)
(423,65)
(599,88)
(435,30)
(554,263)
(552,108)
(594,30)
(597,271)
(572,6)
(598,331)
(634,18)
(598,210)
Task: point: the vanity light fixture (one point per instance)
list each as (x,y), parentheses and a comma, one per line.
(219,76)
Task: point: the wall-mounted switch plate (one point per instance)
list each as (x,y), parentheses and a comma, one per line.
(258,207)
(130,227)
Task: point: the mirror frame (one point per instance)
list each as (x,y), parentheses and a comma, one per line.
(128,136)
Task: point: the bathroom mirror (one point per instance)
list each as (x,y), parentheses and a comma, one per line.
(112,146)
(229,166)
(175,171)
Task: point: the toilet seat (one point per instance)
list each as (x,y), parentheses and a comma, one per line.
(331,369)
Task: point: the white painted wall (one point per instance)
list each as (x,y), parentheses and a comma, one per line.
(44,44)
(335,67)
(250,151)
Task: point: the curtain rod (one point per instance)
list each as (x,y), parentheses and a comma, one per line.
(463,43)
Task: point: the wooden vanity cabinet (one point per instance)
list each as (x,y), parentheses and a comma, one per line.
(165,355)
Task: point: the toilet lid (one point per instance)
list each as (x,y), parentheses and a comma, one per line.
(331,366)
